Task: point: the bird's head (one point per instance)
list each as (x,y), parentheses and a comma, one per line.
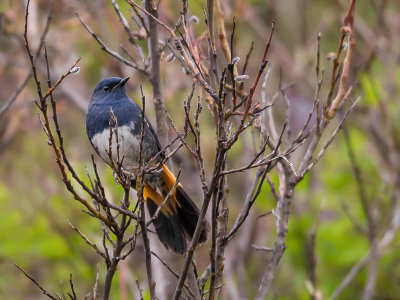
(109,89)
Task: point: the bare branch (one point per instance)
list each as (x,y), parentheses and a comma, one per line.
(172,272)
(253,88)
(330,140)
(87,241)
(347,29)
(38,285)
(111,52)
(14,96)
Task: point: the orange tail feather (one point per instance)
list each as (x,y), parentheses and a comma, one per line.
(178,217)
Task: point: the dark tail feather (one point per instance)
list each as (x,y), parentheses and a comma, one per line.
(177,220)
(175,223)
(168,228)
(188,214)
(186,209)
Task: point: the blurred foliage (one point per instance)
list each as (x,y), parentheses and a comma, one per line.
(34,206)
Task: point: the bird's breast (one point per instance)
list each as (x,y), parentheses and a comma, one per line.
(126,144)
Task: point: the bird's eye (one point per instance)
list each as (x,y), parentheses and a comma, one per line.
(106,88)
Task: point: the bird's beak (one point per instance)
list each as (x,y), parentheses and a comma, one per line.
(121,83)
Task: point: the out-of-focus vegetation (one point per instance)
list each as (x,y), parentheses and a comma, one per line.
(34,205)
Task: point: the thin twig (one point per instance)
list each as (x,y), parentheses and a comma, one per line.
(43,108)
(172,272)
(330,140)
(125,24)
(96,283)
(87,241)
(72,295)
(347,29)
(166,199)
(38,285)
(253,88)
(141,201)
(105,48)
(254,191)
(14,96)
(139,290)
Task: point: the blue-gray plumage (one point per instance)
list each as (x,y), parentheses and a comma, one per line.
(111,93)
(178,218)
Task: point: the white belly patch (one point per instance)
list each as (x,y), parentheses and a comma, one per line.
(128,146)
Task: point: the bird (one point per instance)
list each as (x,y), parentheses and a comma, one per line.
(177,219)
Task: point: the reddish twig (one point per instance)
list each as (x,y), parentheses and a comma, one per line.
(252,89)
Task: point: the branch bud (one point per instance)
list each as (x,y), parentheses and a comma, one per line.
(74,70)
(235,60)
(331,56)
(241,78)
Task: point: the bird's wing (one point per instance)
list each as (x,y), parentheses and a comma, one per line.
(135,109)
(152,131)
